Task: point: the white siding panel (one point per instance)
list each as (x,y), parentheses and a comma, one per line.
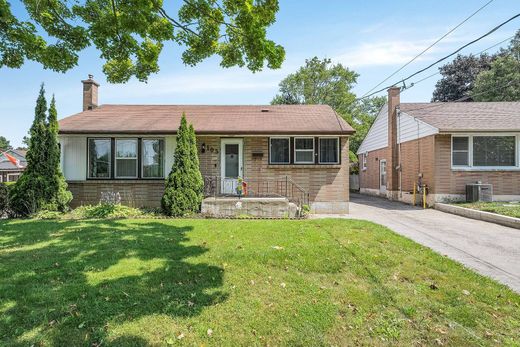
(74,157)
(410,128)
(377,136)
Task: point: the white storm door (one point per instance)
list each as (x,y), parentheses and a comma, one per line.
(231,164)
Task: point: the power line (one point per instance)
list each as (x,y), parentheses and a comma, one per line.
(438,72)
(430,46)
(445,57)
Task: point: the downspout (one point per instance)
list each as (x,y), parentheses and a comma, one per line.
(398,111)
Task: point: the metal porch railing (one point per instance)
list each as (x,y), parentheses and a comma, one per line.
(253,187)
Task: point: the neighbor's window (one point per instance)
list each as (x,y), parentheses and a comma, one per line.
(329,150)
(99,158)
(494,150)
(304,150)
(126,158)
(153,158)
(364,161)
(460,151)
(279,150)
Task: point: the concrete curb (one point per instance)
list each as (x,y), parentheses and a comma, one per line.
(480,215)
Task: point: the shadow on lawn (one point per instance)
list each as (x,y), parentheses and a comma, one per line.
(67,282)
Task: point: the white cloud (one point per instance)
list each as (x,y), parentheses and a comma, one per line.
(382,53)
(391,51)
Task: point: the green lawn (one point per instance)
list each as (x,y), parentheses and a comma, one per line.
(504,208)
(166,282)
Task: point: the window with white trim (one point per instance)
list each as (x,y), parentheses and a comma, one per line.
(279,150)
(364,161)
(126,158)
(484,151)
(304,150)
(460,151)
(328,150)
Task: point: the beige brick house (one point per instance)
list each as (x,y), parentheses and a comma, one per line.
(10,172)
(444,146)
(283,150)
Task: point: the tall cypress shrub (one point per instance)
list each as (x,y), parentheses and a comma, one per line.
(28,194)
(183,192)
(42,184)
(57,197)
(196,176)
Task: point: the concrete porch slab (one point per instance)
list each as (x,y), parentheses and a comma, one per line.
(258,207)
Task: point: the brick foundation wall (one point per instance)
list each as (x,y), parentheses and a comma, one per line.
(133,192)
(454,182)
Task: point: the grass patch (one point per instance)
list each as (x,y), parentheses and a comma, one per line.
(221,282)
(511,209)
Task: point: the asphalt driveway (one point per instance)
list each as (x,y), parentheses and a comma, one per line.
(490,249)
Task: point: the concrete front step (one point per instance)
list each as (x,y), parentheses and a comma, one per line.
(258,207)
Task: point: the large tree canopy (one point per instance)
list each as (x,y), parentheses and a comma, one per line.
(319,82)
(322,82)
(500,83)
(4,143)
(130,34)
(459,75)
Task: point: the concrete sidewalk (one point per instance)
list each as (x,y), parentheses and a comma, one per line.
(490,249)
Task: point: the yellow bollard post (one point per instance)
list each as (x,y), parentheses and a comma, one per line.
(414,185)
(424,197)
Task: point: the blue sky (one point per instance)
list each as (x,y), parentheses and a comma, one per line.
(373,38)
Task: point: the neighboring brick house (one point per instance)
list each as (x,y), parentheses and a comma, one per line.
(443,145)
(10,172)
(130,149)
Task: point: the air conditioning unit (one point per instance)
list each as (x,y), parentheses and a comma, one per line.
(479,192)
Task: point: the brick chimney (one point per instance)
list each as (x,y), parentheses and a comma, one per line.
(394,101)
(90,93)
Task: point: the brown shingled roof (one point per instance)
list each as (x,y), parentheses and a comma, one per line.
(467,116)
(164,119)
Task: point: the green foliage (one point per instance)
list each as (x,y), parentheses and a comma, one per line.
(47,214)
(4,199)
(306,210)
(184,185)
(57,193)
(105,211)
(42,185)
(321,82)
(458,77)
(469,77)
(4,143)
(130,34)
(500,83)
(352,157)
(28,194)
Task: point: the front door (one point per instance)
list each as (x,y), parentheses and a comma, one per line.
(382,176)
(231,164)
